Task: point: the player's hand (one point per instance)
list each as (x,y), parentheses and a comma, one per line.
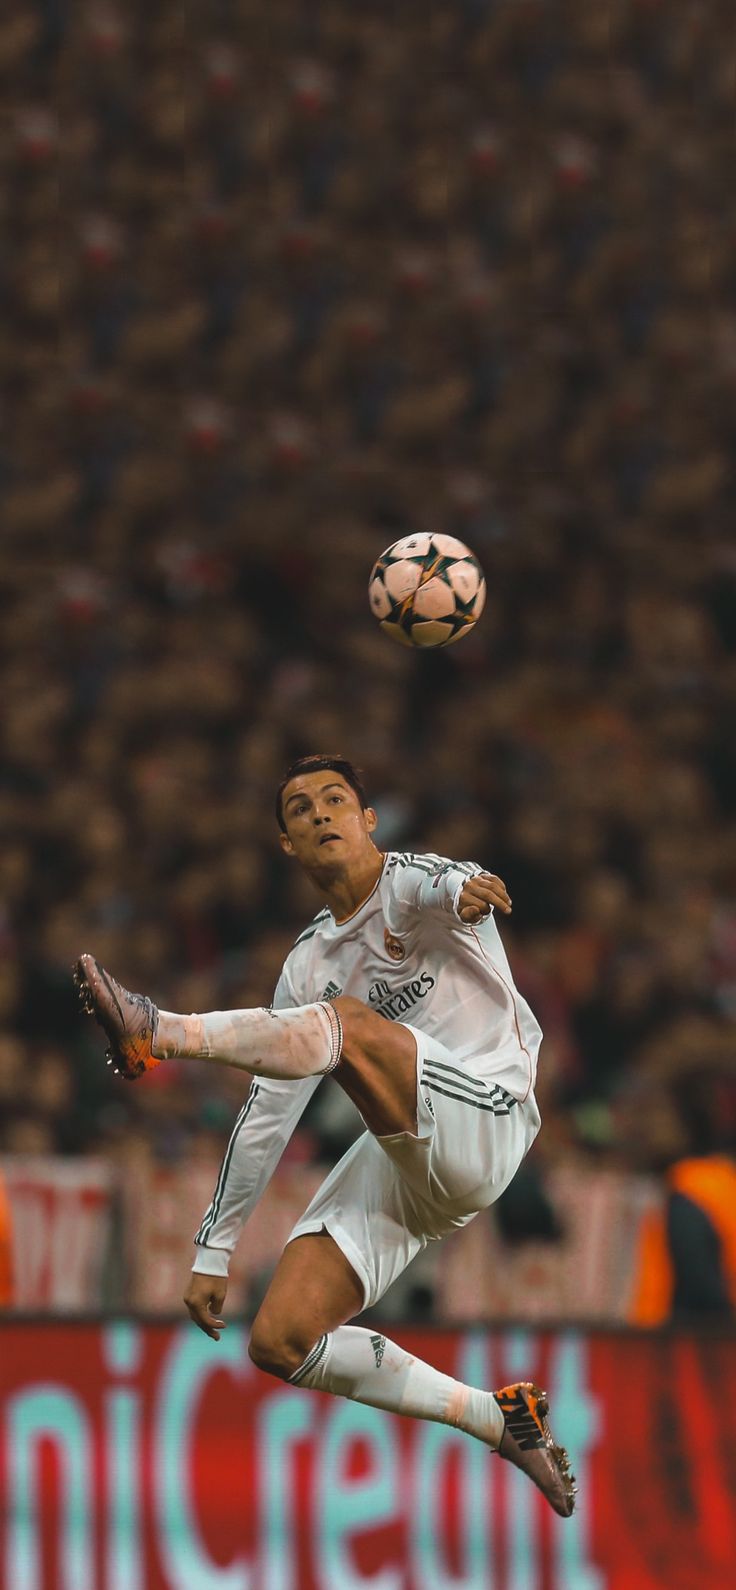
(479,894)
(205,1300)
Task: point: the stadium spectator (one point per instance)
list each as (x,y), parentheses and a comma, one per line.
(686,1263)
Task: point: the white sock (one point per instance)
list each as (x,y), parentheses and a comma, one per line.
(366,1367)
(303,1042)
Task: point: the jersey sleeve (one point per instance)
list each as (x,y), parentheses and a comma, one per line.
(428,883)
(259,1137)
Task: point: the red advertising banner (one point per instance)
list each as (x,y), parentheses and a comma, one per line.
(61,1224)
(86,1233)
(147,1457)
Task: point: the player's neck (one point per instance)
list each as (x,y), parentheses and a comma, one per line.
(347,891)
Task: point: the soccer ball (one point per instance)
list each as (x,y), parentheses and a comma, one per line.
(427,590)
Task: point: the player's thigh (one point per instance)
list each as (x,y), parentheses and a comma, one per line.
(479,1145)
(377,1069)
(477,1133)
(371,1214)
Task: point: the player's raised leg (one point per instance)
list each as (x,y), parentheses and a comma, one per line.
(374,1059)
(289,1043)
(301,1335)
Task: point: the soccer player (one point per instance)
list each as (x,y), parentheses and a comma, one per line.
(401,990)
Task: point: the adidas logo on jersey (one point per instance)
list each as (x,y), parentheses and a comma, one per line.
(394,1002)
(332,991)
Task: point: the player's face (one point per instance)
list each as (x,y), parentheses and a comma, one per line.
(326,826)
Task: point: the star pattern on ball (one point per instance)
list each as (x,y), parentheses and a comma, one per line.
(427,590)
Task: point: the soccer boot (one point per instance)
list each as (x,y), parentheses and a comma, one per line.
(527,1442)
(130,1020)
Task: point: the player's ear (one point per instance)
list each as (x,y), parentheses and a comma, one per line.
(286,844)
(371,820)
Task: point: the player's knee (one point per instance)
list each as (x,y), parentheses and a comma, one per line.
(276,1352)
(355,1018)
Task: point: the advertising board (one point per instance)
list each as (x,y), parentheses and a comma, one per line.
(146,1457)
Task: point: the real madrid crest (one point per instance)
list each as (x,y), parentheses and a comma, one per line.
(394,947)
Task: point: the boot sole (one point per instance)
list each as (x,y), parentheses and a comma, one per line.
(558,1453)
(129,1070)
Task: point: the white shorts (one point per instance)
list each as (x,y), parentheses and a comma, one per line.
(388,1196)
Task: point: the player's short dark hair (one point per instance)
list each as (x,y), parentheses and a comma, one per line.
(318,763)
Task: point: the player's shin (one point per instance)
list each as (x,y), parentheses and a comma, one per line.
(296,1043)
(366,1367)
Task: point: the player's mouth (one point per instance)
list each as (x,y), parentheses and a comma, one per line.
(327,838)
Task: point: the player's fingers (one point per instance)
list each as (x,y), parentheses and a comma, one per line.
(494,891)
(485,885)
(214,1309)
(472,908)
(207,1322)
(485,892)
(196,1316)
(476,889)
(496,885)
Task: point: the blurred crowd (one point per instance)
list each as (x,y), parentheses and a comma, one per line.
(279,285)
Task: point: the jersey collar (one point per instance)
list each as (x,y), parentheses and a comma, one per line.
(343,922)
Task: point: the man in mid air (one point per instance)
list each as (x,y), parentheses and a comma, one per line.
(400,988)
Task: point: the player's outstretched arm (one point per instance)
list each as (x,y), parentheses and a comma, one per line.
(259,1137)
(455,889)
(480,894)
(205,1300)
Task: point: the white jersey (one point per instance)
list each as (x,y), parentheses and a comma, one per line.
(408,956)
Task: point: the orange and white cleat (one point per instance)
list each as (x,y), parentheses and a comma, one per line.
(130,1020)
(527,1442)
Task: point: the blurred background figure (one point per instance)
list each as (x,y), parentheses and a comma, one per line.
(686,1262)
